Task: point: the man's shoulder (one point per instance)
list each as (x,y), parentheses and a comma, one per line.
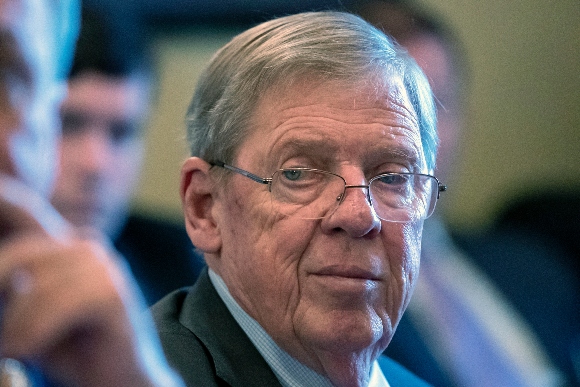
(174,336)
(183,349)
(166,311)
(399,376)
(203,342)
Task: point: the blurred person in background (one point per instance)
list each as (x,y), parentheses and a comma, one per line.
(488,310)
(111,87)
(69,310)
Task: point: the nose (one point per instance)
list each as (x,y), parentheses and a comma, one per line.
(354,214)
(92,151)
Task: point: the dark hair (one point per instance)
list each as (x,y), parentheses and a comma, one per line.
(111,43)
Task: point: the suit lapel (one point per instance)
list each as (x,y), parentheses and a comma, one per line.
(236,359)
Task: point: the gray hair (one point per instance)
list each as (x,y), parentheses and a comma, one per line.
(329,45)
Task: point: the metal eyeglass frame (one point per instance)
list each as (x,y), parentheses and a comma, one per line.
(268,180)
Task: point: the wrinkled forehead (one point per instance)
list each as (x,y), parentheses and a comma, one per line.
(383,89)
(311,115)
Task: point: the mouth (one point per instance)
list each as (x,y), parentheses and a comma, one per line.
(350,272)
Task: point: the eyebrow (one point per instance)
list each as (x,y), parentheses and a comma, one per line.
(325,147)
(398,154)
(321,146)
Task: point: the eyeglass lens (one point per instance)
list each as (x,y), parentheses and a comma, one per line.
(313,194)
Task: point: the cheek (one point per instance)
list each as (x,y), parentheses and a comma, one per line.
(403,243)
(262,257)
(411,258)
(251,218)
(245,243)
(124,168)
(130,156)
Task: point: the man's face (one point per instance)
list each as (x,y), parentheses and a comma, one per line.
(29,94)
(101,150)
(339,284)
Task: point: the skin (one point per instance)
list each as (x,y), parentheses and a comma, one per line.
(66,303)
(101,150)
(330,292)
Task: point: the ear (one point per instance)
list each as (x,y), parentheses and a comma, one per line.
(198,199)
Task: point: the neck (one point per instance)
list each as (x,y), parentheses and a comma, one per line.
(347,371)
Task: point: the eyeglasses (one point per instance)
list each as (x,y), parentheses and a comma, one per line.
(308,193)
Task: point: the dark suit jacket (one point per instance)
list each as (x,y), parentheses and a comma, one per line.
(160,255)
(203,342)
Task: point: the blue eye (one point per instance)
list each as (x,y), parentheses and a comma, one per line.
(292,174)
(393,179)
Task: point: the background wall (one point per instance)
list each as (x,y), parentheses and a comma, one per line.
(181,58)
(523,126)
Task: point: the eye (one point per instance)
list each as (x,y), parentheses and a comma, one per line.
(121,132)
(292,174)
(393,179)
(72,123)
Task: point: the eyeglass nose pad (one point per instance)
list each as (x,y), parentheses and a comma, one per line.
(341,196)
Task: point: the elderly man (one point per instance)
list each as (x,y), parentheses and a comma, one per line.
(66,305)
(313,141)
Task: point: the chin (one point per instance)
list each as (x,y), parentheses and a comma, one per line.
(351,331)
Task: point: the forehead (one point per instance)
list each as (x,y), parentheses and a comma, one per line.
(106,95)
(343,122)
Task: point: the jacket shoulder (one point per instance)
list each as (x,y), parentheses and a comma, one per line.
(183,349)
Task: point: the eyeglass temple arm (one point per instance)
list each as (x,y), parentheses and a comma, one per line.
(440,188)
(249,175)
